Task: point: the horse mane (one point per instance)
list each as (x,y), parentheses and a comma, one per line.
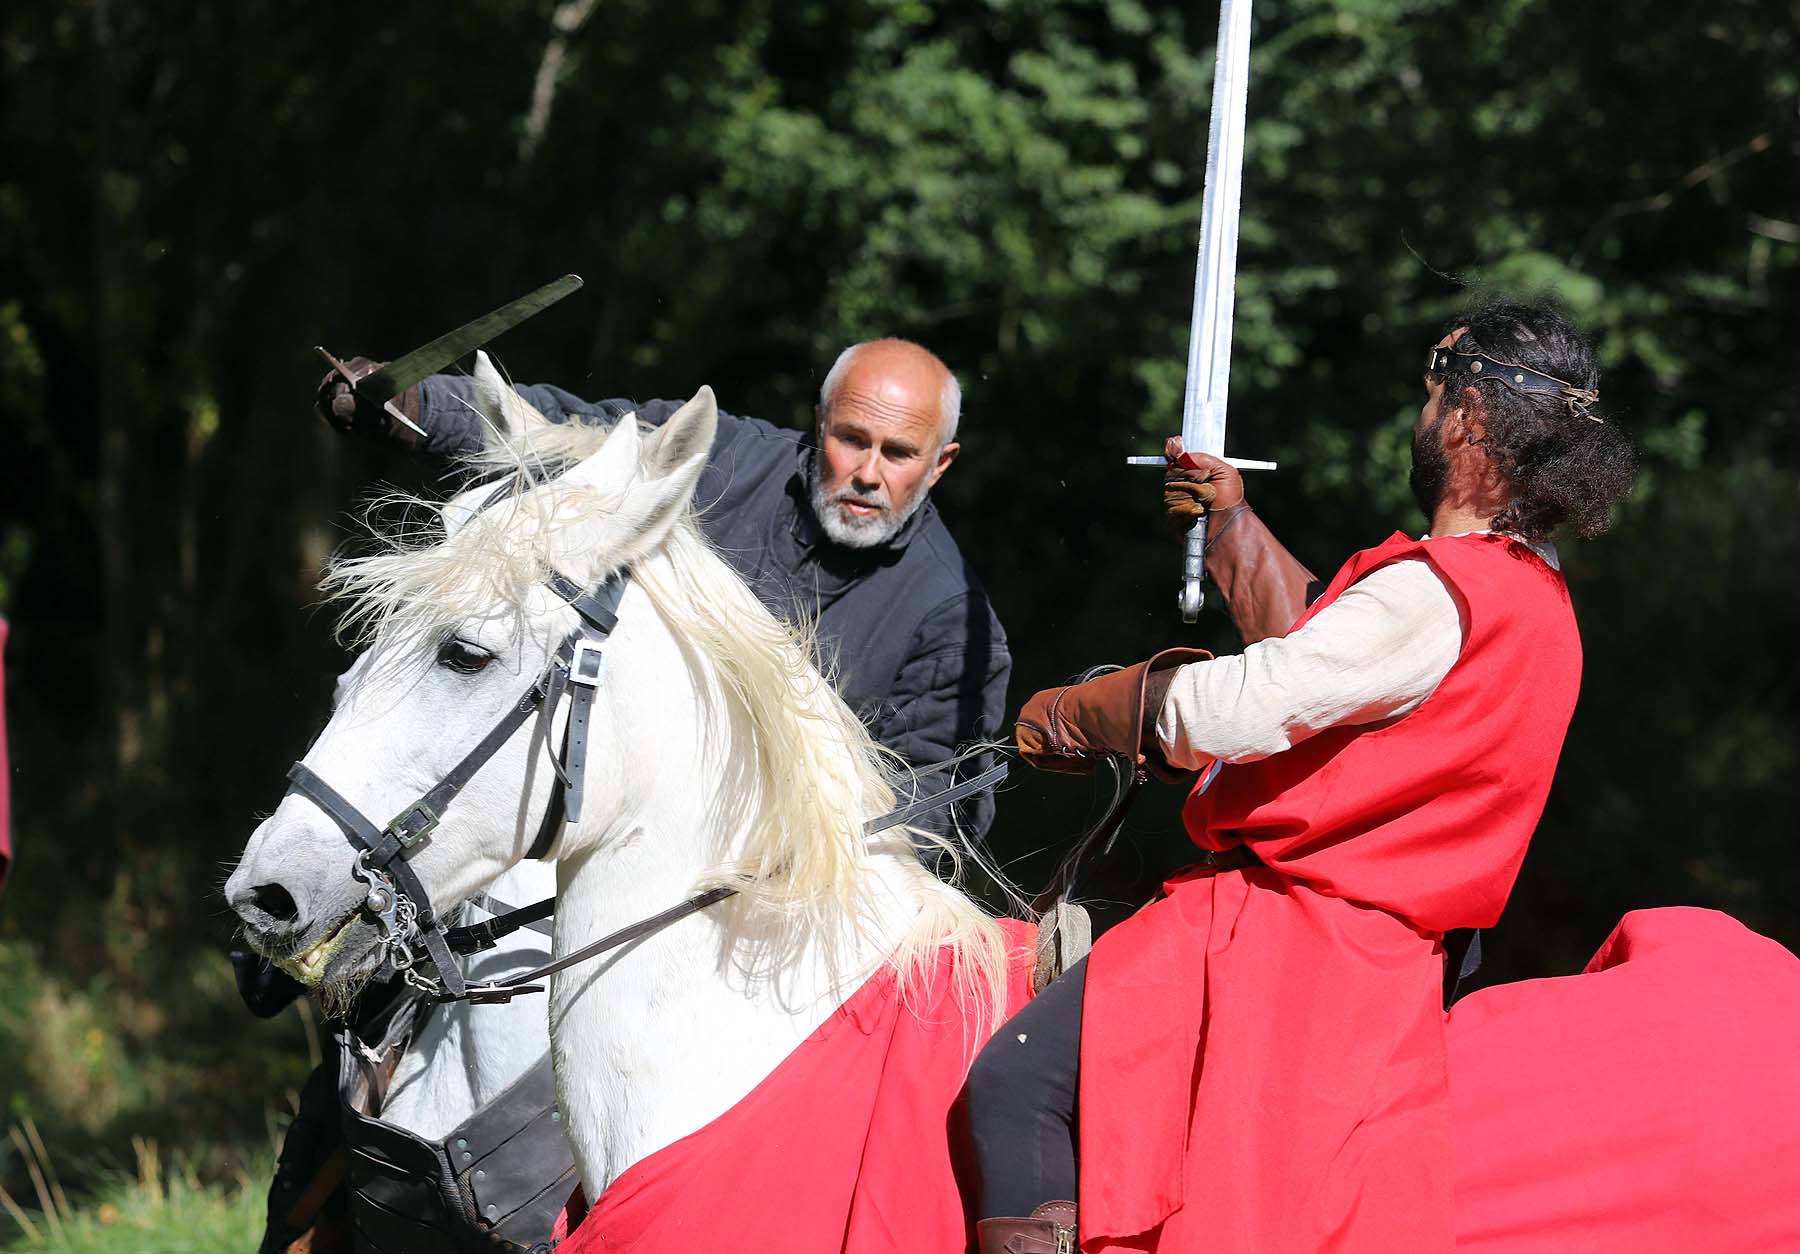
(819,773)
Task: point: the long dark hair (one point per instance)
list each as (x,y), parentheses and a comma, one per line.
(1567,463)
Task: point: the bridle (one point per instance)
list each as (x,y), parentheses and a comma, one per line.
(396,898)
(403,910)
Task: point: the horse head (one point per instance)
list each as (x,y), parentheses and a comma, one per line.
(459,629)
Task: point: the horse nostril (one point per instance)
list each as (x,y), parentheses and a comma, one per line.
(275,901)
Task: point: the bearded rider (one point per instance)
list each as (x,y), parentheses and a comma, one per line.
(1257,1057)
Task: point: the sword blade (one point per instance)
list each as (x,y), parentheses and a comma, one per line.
(1215,271)
(401,373)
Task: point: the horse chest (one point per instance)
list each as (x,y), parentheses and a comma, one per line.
(639,1074)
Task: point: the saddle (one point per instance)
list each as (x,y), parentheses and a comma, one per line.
(1065,931)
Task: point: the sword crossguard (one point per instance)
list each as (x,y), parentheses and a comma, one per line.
(341,367)
(1236,463)
(388,406)
(393,411)
(1193,567)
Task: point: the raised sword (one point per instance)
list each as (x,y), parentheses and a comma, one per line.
(1215,280)
(380,387)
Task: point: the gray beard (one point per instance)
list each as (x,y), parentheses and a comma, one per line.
(845,528)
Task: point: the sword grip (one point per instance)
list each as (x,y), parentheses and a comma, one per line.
(1193,570)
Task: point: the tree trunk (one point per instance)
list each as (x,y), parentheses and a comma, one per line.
(113,349)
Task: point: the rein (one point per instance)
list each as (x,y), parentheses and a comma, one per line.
(1127,778)
(499,992)
(398,900)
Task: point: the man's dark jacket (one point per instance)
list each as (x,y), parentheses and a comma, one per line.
(904,626)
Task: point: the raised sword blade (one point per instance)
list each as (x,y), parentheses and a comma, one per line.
(1215,273)
(383,385)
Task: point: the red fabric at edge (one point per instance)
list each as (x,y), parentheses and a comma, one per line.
(844,1146)
(1650,1105)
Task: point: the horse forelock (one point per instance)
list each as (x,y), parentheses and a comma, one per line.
(446,562)
(422,583)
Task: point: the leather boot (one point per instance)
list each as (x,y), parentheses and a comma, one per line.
(1049,1230)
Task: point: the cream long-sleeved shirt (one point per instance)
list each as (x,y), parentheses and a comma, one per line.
(1375,653)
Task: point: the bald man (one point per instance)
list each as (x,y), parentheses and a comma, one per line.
(835,522)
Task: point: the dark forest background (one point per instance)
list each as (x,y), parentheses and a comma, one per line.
(194,194)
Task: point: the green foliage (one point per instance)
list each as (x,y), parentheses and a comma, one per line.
(197,193)
(153,1042)
(60,1037)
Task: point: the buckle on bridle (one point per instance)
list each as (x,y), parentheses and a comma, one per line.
(498,994)
(587,665)
(413,824)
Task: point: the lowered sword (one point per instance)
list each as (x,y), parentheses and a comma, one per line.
(381,387)
(1215,274)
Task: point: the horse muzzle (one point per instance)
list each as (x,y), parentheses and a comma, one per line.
(316,942)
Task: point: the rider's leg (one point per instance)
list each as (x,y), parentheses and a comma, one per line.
(1022,1102)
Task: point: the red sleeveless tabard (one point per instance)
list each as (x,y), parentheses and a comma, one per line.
(1262,1067)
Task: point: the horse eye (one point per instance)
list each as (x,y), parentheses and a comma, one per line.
(462,657)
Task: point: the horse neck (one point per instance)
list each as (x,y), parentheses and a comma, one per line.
(658,1039)
(467,1055)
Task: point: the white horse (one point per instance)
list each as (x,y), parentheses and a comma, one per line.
(718,754)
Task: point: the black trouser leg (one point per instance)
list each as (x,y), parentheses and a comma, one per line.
(1022,1092)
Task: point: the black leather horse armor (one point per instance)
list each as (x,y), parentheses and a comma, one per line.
(497,1182)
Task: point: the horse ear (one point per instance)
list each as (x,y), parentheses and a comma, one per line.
(508,414)
(657,474)
(616,461)
(686,436)
(673,458)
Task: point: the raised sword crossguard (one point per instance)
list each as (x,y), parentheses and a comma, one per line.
(1193,562)
(352,377)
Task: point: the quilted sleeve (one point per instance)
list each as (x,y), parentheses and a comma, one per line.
(951,693)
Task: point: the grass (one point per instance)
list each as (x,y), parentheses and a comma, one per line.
(162,1207)
(116,1059)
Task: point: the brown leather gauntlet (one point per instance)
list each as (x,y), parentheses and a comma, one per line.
(1070,729)
(337,405)
(1263,584)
